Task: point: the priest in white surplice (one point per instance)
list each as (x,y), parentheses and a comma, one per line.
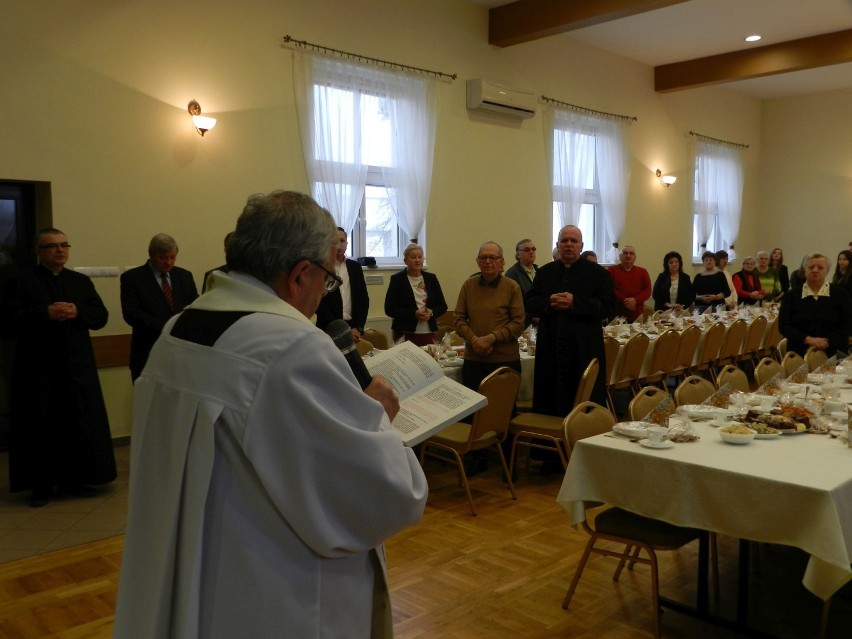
(263,480)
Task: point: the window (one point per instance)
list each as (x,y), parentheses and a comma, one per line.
(369,160)
(589,178)
(717,198)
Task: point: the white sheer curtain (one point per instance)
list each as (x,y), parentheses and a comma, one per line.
(719,190)
(411,110)
(571,157)
(730,194)
(328,103)
(613,159)
(331,95)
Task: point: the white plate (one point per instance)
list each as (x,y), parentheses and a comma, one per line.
(767,435)
(663,444)
(633,429)
(701,411)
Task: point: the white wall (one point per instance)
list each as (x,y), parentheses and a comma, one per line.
(94,101)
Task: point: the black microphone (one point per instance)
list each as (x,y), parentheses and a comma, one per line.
(341,334)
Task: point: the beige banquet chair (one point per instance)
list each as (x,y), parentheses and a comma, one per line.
(662,359)
(791,363)
(635,532)
(363,346)
(815,358)
(731,346)
(766,369)
(693,390)
(489,428)
(709,349)
(611,348)
(769,346)
(545,432)
(732,375)
(627,371)
(686,350)
(753,339)
(377,338)
(645,401)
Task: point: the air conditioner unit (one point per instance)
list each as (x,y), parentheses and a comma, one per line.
(483,95)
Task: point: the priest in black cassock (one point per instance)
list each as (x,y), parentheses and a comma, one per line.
(59,434)
(571,297)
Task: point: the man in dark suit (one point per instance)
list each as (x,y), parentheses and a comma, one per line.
(151,294)
(350,302)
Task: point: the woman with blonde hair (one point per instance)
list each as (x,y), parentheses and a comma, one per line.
(414,300)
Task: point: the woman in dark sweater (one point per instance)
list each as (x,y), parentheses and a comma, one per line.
(710,286)
(816,314)
(673,289)
(414,300)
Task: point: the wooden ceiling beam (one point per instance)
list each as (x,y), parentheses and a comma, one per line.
(526,20)
(772,59)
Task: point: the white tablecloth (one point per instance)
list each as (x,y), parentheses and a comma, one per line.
(525,392)
(794,490)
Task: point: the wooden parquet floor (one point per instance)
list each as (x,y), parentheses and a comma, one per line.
(502,574)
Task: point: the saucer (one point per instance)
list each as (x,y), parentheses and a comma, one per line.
(663,444)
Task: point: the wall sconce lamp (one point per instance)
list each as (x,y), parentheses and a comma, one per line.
(202,123)
(666,180)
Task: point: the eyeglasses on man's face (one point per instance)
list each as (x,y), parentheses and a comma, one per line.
(332,281)
(489,258)
(529,249)
(52,246)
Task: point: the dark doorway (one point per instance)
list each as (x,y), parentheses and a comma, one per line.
(24,207)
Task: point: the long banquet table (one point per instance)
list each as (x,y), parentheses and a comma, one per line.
(794,490)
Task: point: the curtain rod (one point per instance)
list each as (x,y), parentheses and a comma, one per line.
(357,57)
(585,110)
(709,139)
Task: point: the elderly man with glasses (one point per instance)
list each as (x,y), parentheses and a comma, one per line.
(489,316)
(264,480)
(523,270)
(59,436)
(350,300)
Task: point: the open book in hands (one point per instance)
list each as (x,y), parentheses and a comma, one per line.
(429,401)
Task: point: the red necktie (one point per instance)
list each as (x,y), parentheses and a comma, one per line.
(167,290)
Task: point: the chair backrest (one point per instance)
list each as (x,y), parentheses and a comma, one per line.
(377,338)
(791,363)
(766,369)
(815,358)
(693,390)
(712,343)
(587,382)
(501,389)
(754,335)
(645,401)
(586,420)
(782,346)
(363,346)
(686,348)
(734,376)
(632,358)
(611,347)
(733,341)
(773,335)
(665,351)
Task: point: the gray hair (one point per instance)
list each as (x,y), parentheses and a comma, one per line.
(411,247)
(762,254)
(499,248)
(162,243)
(520,244)
(278,230)
(817,256)
(46,231)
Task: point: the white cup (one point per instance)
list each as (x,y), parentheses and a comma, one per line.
(656,435)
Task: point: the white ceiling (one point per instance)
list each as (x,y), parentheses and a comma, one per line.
(701,28)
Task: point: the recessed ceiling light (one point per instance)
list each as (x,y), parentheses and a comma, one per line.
(753,38)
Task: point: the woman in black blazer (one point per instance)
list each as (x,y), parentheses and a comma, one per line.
(672,275)
(414,300)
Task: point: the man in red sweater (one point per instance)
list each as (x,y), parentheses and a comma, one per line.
(632,284)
